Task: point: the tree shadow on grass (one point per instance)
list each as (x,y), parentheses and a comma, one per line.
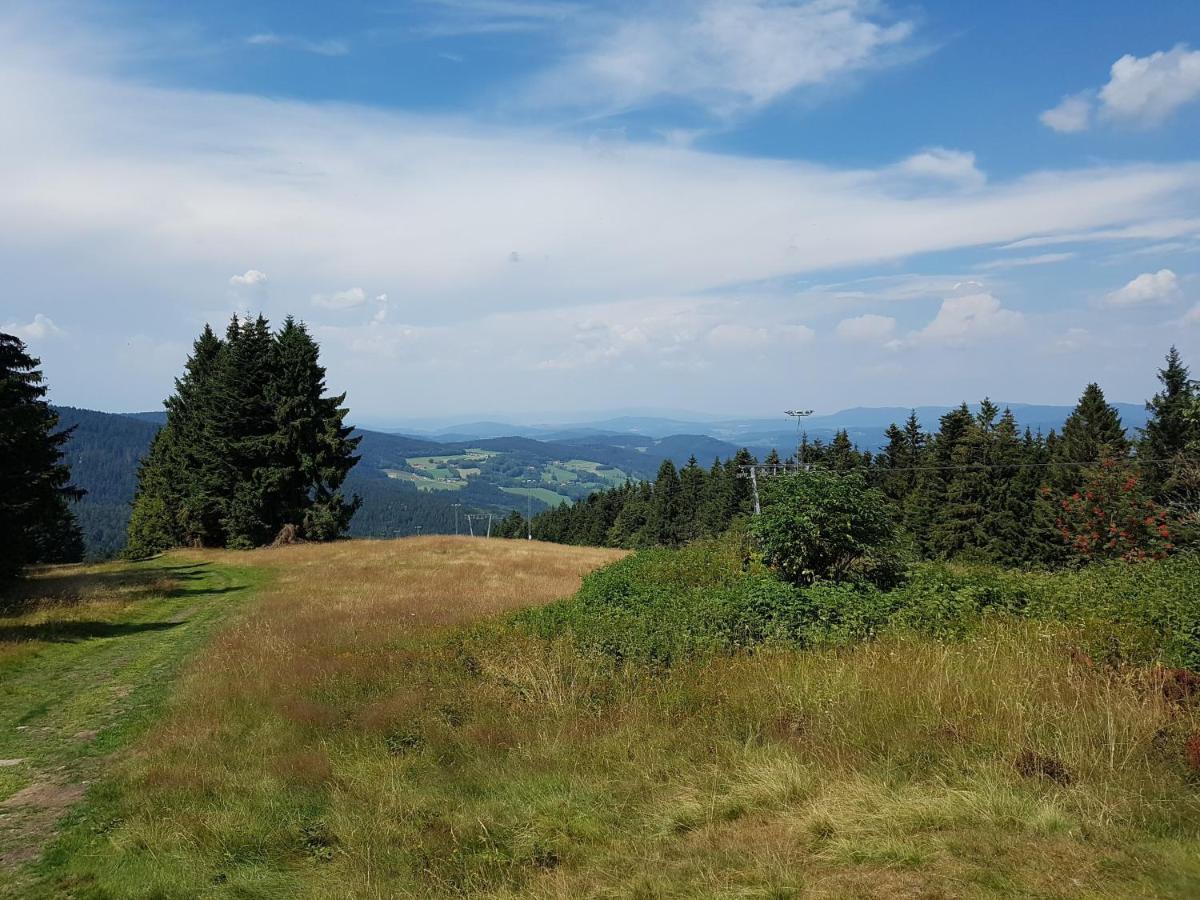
(81,630)
(68,586)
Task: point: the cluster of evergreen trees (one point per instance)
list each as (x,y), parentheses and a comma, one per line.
(36,521)
(978,487)
(252,449)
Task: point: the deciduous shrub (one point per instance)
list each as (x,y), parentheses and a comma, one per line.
(823,525)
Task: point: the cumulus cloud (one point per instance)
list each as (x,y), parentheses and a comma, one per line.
(295,42)
(40,328)
(725,55)
(1147,289)
(1072,115)
(1141,92)
(869,328)
(971,318)
(1145,91)
(250,278)
(940,164)
(347,299)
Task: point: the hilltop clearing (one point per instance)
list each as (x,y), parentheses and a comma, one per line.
(387,719)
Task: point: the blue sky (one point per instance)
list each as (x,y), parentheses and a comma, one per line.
(544,209)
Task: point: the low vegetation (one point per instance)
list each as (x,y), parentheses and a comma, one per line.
(87,655)
(370,728)
(713,596)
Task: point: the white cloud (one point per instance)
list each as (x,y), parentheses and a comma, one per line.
(40,328)
(1145,91)
(725,55)
(1150,230)
(869,328)
(1192,316)
(940,164)
(1072,115)
(250,278)
(1149,288)
(974,317)
(295,42)
(347,299)
(1141,91)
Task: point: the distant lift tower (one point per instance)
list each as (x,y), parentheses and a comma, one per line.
(752,472)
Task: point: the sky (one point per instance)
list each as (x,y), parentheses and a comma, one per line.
(546,211)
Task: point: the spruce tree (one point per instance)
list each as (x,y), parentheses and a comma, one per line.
(251,445)
(1092,432)
(313,446)
(691,500)
(958,526)
(925,505)
(1170,429)
(36,522)
(662,523)
(1008,514)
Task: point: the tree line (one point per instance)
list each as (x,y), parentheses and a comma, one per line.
(979,487)
(252,451)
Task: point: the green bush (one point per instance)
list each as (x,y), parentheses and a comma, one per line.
(824,525)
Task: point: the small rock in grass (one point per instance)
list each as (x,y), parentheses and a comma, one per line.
(11,762)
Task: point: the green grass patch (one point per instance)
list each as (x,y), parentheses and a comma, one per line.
(424,483)
(87,657)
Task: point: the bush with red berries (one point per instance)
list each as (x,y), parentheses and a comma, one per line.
(1110,517)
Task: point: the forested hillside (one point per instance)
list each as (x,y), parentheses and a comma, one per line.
(979,487)
(398,498)
(103,453)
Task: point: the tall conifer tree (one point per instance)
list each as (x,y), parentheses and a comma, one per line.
(36,522)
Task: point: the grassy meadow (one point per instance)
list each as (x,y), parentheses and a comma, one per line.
(452,717)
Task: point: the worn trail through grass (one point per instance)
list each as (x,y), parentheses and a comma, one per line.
(87,655)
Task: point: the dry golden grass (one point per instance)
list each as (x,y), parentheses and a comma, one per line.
(337,740)
(425,580)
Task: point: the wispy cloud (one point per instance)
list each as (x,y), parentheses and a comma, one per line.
(726,56)
(347,299)
(1151,229)
(328,47)
(453,18)
(1019,262)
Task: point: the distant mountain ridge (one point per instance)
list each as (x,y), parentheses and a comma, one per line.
(867,423)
